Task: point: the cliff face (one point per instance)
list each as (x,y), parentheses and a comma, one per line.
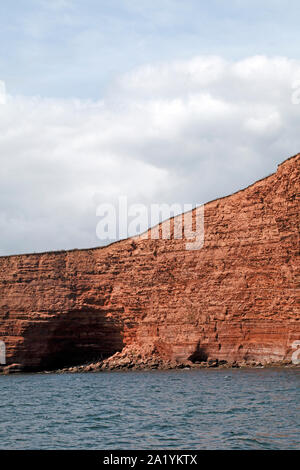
(235,299)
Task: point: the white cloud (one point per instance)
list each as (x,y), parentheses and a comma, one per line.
(186,131)
(268,124)
(2,92)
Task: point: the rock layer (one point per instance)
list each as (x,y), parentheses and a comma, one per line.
(234,300)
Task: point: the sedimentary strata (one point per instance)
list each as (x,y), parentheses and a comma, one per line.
(143,300)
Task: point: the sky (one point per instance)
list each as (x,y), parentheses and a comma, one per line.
(160,101)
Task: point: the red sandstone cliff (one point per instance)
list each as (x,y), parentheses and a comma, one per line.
(235,299)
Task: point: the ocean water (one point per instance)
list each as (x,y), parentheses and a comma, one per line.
(187,409)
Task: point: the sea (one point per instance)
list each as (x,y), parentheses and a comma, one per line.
(177,409)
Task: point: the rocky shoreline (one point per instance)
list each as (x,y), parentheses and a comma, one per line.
(124,361)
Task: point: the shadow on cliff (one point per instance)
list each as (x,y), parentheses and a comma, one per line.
(69,339)
(199,355)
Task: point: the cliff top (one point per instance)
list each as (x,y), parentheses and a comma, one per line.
(54,252)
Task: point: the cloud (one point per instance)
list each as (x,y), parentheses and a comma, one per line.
(2,92)
(184,131)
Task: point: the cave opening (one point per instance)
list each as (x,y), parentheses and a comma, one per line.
(73,339)
(199,355)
